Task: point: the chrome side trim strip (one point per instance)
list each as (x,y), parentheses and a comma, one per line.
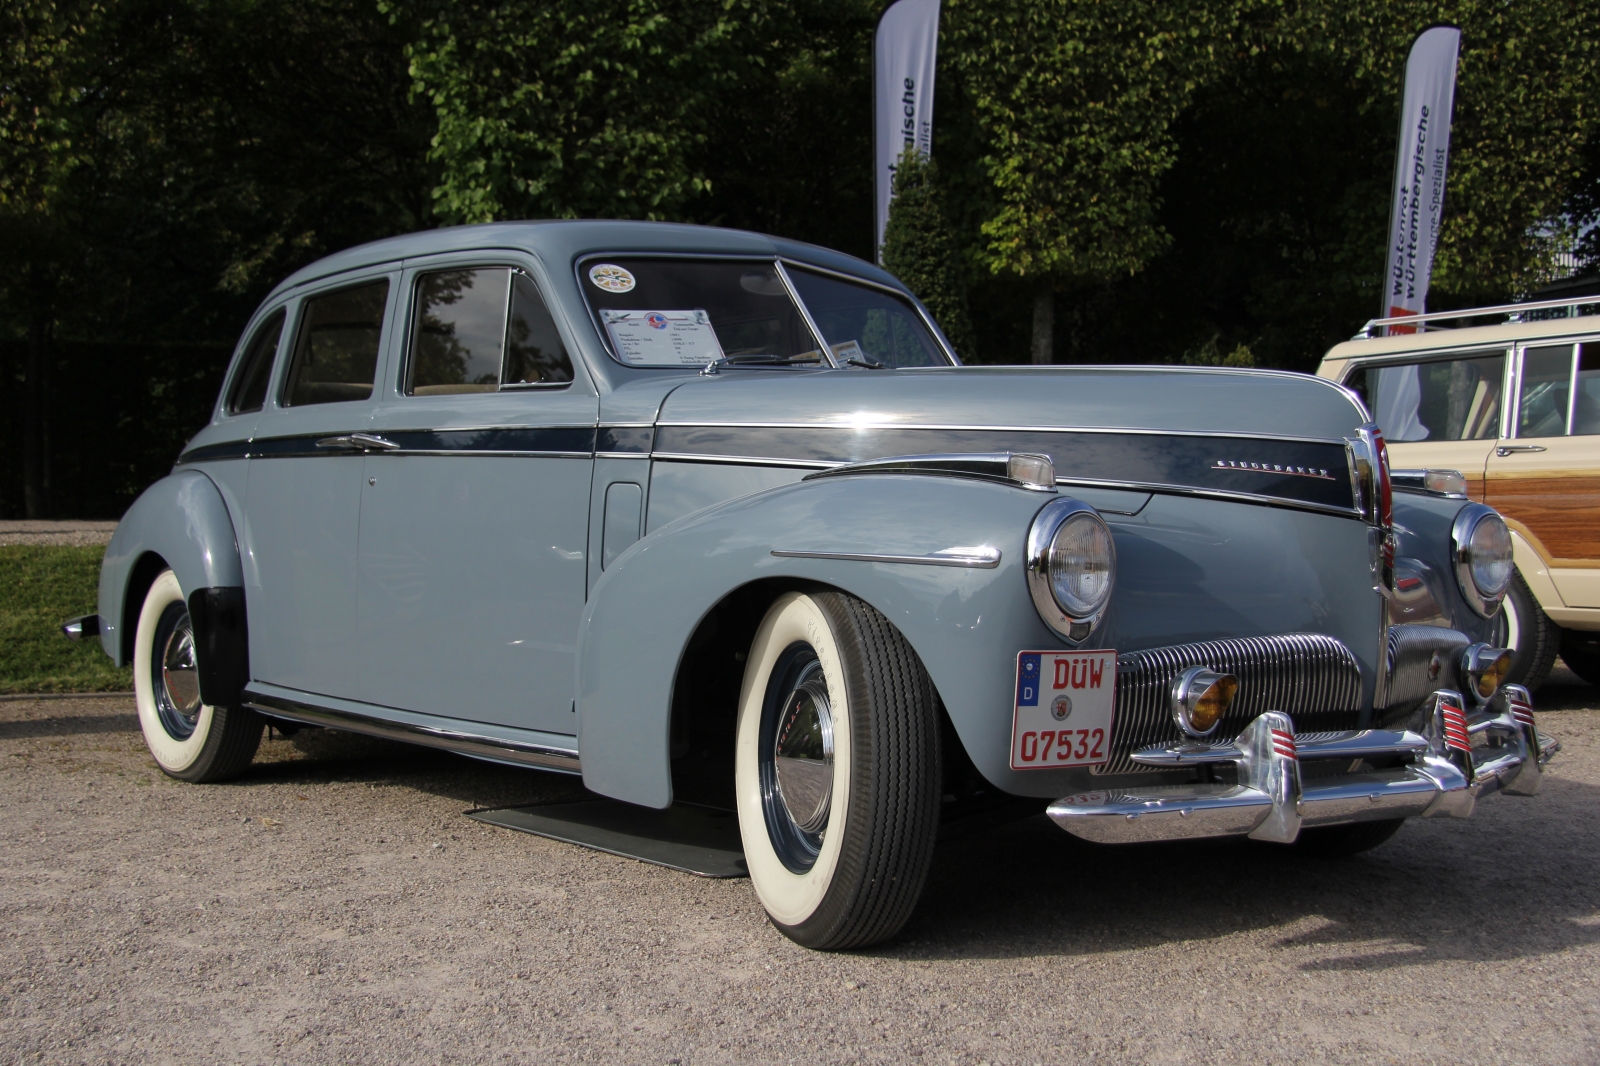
(1229,435)
(743,460)
(563,760)
(982,558)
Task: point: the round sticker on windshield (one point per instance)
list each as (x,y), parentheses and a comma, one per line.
(611,278)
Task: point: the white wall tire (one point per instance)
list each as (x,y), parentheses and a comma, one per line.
(1533,639)
(189,740)
(857,879)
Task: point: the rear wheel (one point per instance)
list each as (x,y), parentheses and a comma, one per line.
(836,771)
(190,740)
(1529,633)
(1580,650)
(1338,841)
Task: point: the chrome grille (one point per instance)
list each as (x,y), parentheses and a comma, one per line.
(1311,677)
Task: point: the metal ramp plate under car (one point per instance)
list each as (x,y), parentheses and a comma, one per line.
(699,840)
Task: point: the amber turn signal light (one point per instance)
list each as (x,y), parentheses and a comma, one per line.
(1200,697)
(1486,667)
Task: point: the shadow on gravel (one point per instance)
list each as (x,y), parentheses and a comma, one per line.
(68,725)
(1521,878)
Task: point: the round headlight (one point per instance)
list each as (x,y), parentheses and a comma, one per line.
(1080,565)
(1480,545)
(1071,565)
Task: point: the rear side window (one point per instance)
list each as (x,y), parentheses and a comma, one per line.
(250,386)
(336,352)
(1443,399)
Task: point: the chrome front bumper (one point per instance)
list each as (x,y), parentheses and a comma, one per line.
(1453,758)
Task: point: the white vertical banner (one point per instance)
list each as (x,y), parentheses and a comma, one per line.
(903,57)
(1423,155)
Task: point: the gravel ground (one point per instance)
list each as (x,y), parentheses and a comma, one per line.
(335,906)
(78,534)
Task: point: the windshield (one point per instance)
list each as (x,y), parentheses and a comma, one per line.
(690,312)
(866,324)
(661,312)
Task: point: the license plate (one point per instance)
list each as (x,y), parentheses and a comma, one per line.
(1065,701)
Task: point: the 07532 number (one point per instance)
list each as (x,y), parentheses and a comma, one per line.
(1063,745)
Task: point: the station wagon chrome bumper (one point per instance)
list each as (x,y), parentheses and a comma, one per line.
(1282,785)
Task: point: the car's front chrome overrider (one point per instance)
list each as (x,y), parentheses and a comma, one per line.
(1443,766)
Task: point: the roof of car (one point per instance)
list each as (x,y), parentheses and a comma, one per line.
(565,239)
(1500,334)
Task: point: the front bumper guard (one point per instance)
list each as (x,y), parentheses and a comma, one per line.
(1454,760)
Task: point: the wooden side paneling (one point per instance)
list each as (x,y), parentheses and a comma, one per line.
(1562,511)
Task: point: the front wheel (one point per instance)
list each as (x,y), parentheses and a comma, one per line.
(1529,633)
(189,739)
(836,771)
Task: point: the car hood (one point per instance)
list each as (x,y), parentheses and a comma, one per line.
(1175,399)
(1264,436)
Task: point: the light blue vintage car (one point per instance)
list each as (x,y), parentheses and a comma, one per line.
(711,517)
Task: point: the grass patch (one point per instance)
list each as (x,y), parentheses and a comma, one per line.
(41,587)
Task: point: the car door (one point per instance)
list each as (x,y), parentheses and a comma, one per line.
(1440,411)
(1544,476)
(303,490)
(474,525)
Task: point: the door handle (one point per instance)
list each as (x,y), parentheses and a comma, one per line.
(357,442)
(1506,449)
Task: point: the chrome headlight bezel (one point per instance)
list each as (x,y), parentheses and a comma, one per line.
(1484,601)
(1071,625)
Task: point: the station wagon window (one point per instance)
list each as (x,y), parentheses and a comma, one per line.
(249,391)
(689,312)
(336,353)
(1443,399)
(1559,391)
(463,339)
(865,323)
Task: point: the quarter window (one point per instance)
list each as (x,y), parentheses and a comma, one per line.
(249,391)
(336,353)
(1444,399)
(535,354)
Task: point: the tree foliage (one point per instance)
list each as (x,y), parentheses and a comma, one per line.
(919,249)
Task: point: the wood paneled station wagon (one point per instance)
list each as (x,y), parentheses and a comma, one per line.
(1509,398)
(719,521)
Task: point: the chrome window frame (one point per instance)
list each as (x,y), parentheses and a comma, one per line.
(1513,429)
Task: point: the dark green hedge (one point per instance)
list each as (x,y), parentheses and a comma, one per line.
(117,416)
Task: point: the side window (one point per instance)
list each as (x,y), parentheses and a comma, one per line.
(458,331)
(1446,399)
(535,354)
(249,391)
(1586,406)
(336,352)
(1544,399)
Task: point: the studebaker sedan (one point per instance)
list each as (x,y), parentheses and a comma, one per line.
(707,516)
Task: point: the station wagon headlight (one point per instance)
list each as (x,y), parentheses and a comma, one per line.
(1480,548)
(1071,565)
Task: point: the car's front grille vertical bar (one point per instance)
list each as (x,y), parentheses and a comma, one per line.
(1311,677)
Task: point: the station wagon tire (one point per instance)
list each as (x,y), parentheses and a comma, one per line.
(1529,633)
(1580,650)
(1339,841)
(838,859)
(189,740)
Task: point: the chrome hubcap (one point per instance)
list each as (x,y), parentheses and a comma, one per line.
(803,752)
(174,676)
(796,753)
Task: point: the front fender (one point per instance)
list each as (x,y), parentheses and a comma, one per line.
(182,519)
(966,624)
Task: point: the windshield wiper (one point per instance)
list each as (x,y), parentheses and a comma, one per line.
(868,364)
(716,365)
